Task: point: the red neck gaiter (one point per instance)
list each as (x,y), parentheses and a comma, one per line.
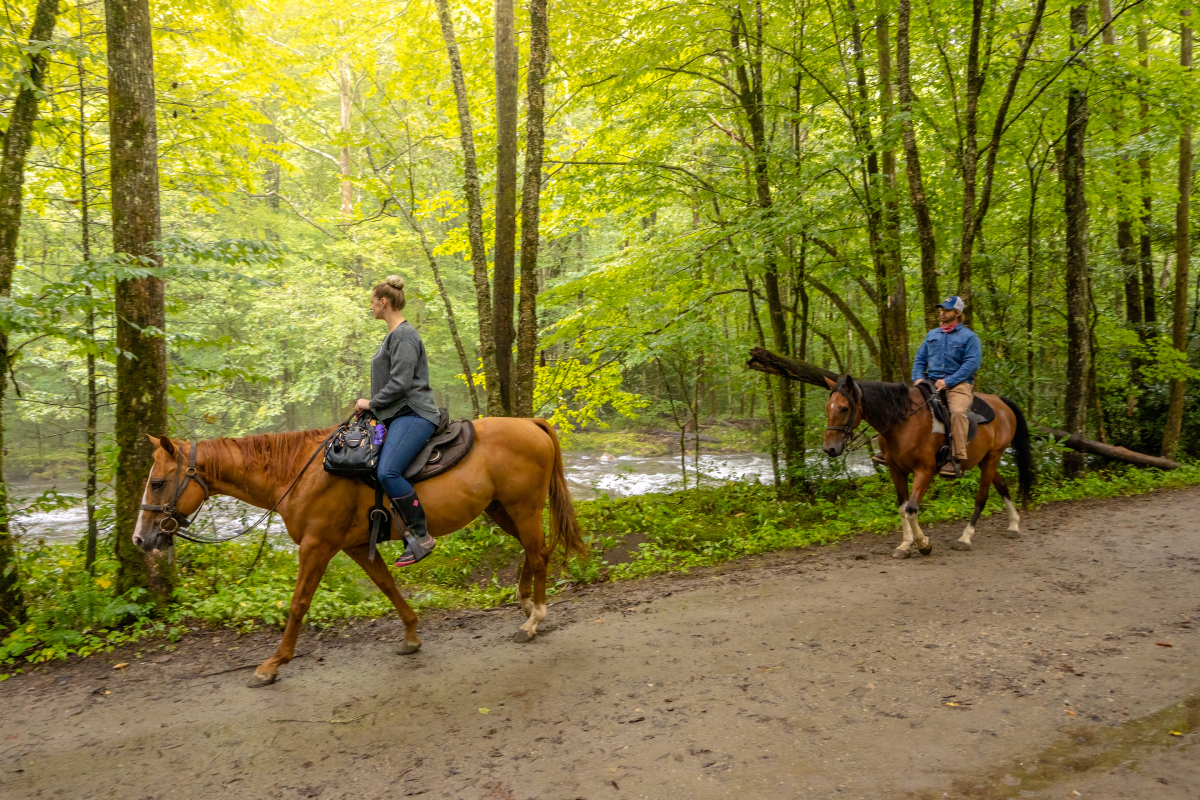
(949,328)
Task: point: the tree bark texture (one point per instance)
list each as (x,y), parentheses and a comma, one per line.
(1075,206)
(141,406)
(504,252)
(531,192)
(1179,311)
(893,300)
(346,98)
(479,264)
(18,138)
(1145,251)
(970,159)
(930,294)
(85,241)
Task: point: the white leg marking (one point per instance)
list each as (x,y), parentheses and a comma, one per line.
(968,532)
(908,533)
(922,539)
(1014,517)
(538,614)
(526,605)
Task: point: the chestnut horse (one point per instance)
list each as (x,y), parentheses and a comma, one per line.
(909,444)
(509,473)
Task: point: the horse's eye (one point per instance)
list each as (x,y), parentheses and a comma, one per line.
(157,484)
(845,408)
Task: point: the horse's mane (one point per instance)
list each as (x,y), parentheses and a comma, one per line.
(884,404)
(278,455)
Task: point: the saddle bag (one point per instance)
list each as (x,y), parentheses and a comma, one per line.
(353,450)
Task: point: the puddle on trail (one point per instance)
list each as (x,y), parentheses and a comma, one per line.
(1086,750)
(589,475)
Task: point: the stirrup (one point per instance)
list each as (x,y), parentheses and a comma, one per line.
(423,548)
(951,470)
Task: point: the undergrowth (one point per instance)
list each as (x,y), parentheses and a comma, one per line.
(72,613)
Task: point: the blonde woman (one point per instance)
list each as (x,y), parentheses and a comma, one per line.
(402,400)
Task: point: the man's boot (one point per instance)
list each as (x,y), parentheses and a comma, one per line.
(420,543)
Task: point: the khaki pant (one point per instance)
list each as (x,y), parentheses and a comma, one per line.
(959,397)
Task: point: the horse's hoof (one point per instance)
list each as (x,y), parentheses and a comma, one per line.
(960,546)
(522,636)
(408,648)
(925,550)
(1012,534)
(258,681)
(898,553)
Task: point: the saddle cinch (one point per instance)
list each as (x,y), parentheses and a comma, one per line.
(980,413)
(450,443)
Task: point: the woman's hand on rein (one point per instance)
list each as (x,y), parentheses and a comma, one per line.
(362,405)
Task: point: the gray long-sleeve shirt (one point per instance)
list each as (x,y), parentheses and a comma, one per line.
(400,376)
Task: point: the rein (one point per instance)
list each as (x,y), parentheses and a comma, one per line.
(180,521)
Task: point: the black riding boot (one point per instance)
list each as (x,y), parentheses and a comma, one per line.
(420,543)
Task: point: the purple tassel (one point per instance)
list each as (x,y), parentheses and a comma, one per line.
(380,434)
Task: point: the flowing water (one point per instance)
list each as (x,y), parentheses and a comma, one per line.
(589,475)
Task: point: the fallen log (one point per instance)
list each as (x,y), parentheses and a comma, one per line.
(775,364)
(1076,442)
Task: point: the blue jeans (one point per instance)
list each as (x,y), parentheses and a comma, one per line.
(405,437)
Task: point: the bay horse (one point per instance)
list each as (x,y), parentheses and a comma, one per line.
(910,446)
(514,466)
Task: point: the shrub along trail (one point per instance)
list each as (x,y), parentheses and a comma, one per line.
(1063,662)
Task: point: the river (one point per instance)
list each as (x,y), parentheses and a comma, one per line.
(589,475)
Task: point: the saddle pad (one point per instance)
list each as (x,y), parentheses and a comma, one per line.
(442,452)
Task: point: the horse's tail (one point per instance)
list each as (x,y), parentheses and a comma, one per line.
(1024,452)
(564,527)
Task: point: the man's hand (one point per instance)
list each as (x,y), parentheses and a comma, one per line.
(940,385)
(362,405)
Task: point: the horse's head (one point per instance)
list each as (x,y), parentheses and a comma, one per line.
(843,413)
(174,491)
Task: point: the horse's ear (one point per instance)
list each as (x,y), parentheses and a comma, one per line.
(830,382)
(165,443)
(850,383)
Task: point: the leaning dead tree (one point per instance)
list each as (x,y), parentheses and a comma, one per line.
(775,364)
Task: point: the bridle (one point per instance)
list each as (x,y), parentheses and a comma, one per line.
(177,519)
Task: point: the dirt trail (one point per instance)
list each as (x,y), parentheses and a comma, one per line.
(1033,668)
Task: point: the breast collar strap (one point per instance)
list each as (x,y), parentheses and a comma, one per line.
(177,519)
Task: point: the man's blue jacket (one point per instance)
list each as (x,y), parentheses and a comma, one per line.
(953,357)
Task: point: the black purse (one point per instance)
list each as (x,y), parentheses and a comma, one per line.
(353,450)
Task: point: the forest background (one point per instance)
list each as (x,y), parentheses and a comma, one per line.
(598,212)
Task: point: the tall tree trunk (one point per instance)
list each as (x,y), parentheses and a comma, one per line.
(346,97)
(1179,311)
(1145,252)
(18,138)
(141,406)
(479,264)
(893,300)
(1126,251)
(1075,206)
(750,97)
(912,165)
(531,192)
(970,159)
(85,241)
(504,253)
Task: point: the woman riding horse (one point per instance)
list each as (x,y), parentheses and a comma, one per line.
(514,467)
(402,400)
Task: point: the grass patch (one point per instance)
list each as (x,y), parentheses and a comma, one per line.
(74,614)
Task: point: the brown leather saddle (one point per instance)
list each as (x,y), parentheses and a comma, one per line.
(980,413)
(449,445)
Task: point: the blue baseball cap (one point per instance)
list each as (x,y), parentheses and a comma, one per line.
(953,303)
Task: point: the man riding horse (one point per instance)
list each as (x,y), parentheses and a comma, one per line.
(950,358)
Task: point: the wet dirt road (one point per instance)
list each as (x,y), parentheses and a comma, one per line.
(1063,662)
